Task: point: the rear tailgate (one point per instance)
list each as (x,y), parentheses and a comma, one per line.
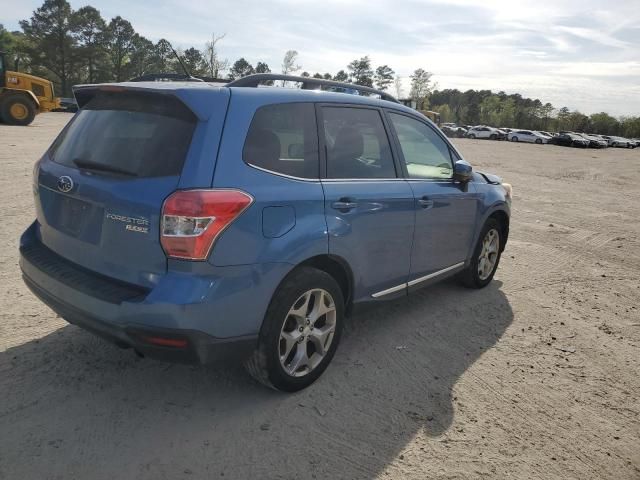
(101,186)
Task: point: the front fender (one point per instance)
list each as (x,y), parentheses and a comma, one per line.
(500,206)
(494,201)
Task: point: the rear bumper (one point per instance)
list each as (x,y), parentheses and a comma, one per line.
(197,316)
(199,347)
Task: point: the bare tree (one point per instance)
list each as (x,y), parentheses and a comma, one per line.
(214,64)
(397,83)
(289,63)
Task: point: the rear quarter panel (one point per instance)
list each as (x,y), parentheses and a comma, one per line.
(294,234)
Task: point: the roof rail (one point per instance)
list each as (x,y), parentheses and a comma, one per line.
(307,83)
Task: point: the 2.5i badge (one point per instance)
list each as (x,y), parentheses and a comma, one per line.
(132,224)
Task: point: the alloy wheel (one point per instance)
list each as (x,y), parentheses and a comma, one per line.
(489,254)
(307,332)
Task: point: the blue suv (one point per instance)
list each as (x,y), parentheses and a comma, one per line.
(193,221)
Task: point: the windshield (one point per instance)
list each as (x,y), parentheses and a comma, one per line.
(131,134)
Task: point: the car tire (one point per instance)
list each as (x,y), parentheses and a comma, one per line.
(514,139)
(472,136)
(493,136)
(281,360)
(472,277)
(17,110)
(539,141)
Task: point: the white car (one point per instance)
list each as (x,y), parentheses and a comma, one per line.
(482,131)
(530,136)
(616,141)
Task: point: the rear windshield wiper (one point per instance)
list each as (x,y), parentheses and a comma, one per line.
(101,167)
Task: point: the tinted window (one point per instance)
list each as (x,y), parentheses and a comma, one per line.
(38,90)
(283,138)
(424,151)
(357,144)
(140,135)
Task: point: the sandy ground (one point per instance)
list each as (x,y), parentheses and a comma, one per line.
(535,376)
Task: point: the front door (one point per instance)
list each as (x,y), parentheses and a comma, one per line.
(369,208)
(445,210)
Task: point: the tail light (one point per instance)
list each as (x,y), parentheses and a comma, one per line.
(193,219)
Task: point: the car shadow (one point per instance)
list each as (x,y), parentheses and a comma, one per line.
(73,406)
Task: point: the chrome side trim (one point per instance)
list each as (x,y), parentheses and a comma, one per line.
(397,288)
(353,180)
(284,175)
(434,274)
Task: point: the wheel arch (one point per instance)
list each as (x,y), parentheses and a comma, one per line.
(333,265)
(503,219)
(339,269)
(10,92)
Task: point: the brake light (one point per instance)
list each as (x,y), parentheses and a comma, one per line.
(193,219)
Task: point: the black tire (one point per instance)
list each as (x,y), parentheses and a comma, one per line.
(264,364)
(472,136)
(514,139)
(470,277)
(538,141)
(493,136)
(21,103)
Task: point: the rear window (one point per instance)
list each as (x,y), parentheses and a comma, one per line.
(283,139)
(128,134)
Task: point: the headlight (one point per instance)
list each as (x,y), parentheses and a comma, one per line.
(508,190)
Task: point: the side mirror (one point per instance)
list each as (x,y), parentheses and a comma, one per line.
(462,171)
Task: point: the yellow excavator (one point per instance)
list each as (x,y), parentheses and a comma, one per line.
(22,96)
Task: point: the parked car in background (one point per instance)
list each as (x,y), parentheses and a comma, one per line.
(569,140)
(453,131)
(630,142)
(67,104)
(191,222)
(482,131)
(529,136)
(595,141)
(620,142)
(617,142)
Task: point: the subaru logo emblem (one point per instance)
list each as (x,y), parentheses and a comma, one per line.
(65,184)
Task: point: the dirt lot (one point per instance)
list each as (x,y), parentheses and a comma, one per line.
(534,377)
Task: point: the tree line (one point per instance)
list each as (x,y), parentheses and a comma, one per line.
(71,46)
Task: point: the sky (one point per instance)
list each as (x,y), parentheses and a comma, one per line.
(583,54)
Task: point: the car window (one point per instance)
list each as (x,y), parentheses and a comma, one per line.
(425,153)
(356,144)
(283,139)
(132,133)
(37,89)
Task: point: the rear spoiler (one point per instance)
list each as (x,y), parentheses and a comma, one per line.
(201,98)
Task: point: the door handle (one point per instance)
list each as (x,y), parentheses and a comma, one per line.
(344,204)
(425,202)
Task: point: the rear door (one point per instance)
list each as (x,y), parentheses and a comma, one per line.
(369,207)
(445,210)
(101,186)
